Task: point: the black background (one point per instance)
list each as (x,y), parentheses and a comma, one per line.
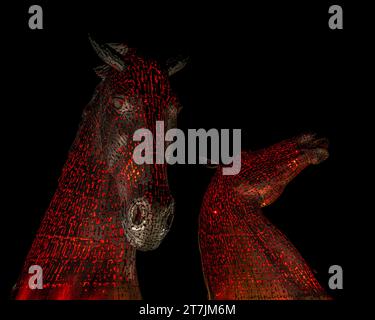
(274,70)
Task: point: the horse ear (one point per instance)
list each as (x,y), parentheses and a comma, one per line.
(109,54)
(102,71)
(120,48)
(175,65)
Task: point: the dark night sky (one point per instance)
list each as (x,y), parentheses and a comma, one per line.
(272,70)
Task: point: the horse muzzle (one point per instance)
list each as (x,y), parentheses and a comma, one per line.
(146,225)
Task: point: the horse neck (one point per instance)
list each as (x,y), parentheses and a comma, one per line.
(87,198)
(81,232)
(238,241)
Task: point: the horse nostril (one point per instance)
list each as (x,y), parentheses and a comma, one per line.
(137,216)
(137,213)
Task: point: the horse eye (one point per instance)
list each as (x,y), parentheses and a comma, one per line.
(118,102)
(121,104)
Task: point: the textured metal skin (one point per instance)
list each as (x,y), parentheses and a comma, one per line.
(244,256)
(106,206)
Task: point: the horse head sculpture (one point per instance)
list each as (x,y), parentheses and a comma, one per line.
(134,94)
(244,256)
(106,206)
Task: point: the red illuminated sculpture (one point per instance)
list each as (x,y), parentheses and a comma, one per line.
(243,255)
(106,207)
